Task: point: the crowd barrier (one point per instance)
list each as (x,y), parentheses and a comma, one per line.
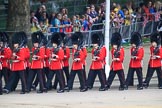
(144,30)
(147,29)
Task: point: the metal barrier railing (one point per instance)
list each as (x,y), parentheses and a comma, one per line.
(125,31)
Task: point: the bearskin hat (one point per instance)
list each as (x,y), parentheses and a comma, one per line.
(77,38)
(64,38)
(136,38)
(155,37)
(56,38)
(6,37)
(97,38)
(1,37)
(17,38)
(24,36)
(38,37)
(116,39)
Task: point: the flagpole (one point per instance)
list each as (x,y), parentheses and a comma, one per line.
(107,28)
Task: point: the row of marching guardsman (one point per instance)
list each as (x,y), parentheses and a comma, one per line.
(49,61)
(46,61)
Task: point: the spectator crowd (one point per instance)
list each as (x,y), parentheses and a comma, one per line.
(60,22)
(127,14)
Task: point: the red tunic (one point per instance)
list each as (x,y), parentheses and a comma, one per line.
(5,57)
(18,63)
(56,63)
(137,62)
(104,53)
(84,50)
(117,65)
(66,57)
(157,61)
(27,56)
(46,57)
(77,65)
(38,63)
(98,63)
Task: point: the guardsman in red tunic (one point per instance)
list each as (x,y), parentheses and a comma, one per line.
(45,66)
(5,55)
(65,59)
(38,52)
(45,69)
(77,65)
(116,67)
(1,55)
(104,61)
(1,83)
(155,60)
(55,66)
(27,55)
(97,64)
(27,62)
(84,50)
(46,62)
(137,53)
(18,63)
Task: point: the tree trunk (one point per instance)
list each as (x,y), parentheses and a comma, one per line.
(18,16)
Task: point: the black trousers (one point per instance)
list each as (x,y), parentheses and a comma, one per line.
(13,78)
(16,81)
(84,73)
(161,36)
(112,75)
(27,73)
(131,82)
(46,72)
(80,76)
(92,76)
(104,73)
(139,75)
(66,71)
(44,76)
(5,73)
(32,74)
(88,84)
(59,76)
(0,82)
(150,72)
